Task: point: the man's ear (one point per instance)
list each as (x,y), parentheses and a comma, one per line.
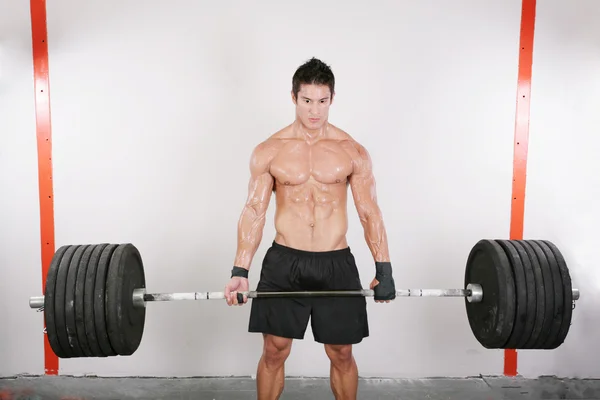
(331,100)
(294,100)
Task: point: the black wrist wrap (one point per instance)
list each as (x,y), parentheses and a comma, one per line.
(238,271)
(386,289)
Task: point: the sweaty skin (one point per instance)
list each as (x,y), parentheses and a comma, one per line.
(310,177)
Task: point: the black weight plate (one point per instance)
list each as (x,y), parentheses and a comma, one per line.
(531,293)
(492,319)
(60,300)
(49,299)
(100,301)
(567,295)
(557,292)
(540,293)
(70,323)
(80,301)
(89,297)
(549,292)
(124,321)
(520,293)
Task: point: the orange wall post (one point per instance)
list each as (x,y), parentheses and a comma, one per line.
(521,141)
(39,36)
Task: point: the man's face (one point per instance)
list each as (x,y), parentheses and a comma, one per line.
(312,105)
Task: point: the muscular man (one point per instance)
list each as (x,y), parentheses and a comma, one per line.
(309,165)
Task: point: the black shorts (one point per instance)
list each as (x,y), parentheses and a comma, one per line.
(334,320)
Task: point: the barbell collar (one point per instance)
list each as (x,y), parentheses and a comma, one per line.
(474,293)
(36,302)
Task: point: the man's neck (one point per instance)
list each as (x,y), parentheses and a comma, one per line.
(310,135)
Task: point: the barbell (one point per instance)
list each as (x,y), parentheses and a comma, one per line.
(518,295)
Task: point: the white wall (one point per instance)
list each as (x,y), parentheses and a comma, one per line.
(563,184)
(156,109)
(21,337)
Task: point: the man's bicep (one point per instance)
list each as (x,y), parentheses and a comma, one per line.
(260,188)
(260,185)
(362,182)
(363,193)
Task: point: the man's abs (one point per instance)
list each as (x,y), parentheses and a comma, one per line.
(312,216)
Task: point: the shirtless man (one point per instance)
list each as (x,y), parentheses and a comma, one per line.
(309,165)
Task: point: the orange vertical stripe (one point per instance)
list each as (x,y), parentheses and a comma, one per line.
(39,36)
(521,142)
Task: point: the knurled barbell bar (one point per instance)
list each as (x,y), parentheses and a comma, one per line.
(518,295)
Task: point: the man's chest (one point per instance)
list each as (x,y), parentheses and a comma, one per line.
(324,161)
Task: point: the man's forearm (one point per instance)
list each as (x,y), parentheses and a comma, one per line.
(375,234)
(250,230)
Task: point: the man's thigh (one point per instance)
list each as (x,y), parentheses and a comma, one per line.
(339,320)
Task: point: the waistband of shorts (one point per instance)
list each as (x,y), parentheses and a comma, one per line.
(305,253)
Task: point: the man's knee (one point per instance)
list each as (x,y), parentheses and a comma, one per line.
(339,354)
(276,350)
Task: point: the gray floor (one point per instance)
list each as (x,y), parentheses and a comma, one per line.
(480,388)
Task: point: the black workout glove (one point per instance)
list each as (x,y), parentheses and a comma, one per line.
(386,289)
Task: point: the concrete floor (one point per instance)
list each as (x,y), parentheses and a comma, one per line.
(480,388)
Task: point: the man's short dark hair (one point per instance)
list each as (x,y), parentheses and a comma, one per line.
(314,71)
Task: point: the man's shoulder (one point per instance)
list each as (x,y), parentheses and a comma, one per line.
(264,152)
(275,142)
(272,144)
(351,145)
(361,160)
